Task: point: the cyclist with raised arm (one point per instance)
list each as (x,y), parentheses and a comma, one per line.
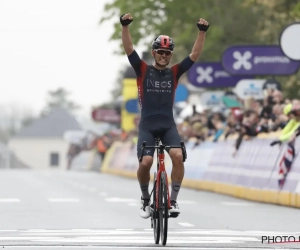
(157,84)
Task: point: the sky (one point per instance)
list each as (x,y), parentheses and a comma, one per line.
(47,44)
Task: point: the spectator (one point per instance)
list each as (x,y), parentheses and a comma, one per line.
(250,119)
(103,144)
(74,150)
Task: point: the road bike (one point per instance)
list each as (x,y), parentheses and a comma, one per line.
(161,198)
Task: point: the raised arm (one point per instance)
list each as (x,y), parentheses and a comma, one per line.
(187,62)
(203,26)
(125,20)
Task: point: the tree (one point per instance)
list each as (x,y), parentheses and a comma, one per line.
(166,17)
(277,14)
(178,19)
(231,22)
(59,98)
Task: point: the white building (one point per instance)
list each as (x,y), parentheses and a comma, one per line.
(41,144)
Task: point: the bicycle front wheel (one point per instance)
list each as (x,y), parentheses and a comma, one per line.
(155,217)
(163,208)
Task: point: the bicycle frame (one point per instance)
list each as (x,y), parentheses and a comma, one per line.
(161,164)
(160,216)
(161,168)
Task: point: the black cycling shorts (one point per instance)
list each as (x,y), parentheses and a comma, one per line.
(161,126)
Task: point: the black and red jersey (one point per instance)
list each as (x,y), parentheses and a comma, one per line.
(156,88)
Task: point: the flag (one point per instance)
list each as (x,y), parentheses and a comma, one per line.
(286,163)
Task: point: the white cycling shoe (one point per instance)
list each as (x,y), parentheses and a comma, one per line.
(174,211)
(145,208)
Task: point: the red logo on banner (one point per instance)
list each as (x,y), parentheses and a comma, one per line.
(106,115)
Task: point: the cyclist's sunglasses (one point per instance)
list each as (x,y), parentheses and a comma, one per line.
(162,51)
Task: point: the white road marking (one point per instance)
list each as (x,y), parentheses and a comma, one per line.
(148,240)
(8,200)
(124,229)
(81,230)
(149,231)
(73,233)
(185,224)
(239,204)
(117,199)
(37,230)
(28,238)
(229,232)
(62,200)
(126,237)
(130,247)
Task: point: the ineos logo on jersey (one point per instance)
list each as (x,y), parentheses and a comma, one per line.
(158,84)
(242,60)
(204,75)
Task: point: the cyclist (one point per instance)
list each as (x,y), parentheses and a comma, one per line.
(156,88)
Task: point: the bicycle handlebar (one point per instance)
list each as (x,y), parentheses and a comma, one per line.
(163,147)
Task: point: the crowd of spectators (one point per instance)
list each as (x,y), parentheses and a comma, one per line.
(249,119)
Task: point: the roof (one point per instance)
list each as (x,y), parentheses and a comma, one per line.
(53,125)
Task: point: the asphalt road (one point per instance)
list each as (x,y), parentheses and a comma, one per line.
(57,209)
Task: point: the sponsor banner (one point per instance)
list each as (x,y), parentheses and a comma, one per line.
(106,115)
(120,154)
(258,60)
(250,88)
(132,106)
(129,106)
(196,163)
(212,99)
(211,75)
(256,164)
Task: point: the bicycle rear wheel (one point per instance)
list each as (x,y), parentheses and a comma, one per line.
(163,208)
(155,218)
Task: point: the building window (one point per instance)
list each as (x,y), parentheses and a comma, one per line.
(54,159)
